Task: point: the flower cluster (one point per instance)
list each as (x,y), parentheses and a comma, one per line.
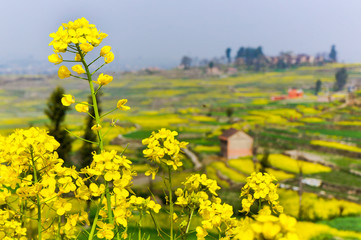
(197,189)
(260,187)
(144,205)
(77,32)
(163,147)
(11,228)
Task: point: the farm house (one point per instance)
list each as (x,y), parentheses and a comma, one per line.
(235,143)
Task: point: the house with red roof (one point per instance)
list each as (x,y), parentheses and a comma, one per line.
(235,144)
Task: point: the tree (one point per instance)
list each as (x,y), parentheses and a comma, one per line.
(88,148)
(228,54)
(186,62)
(318,86)
(333,54)
(211,64)
(341,78)
(56,112)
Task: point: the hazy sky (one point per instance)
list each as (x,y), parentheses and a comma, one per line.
(160,32)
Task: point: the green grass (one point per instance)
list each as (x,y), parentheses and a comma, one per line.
(339,178)
(345,223)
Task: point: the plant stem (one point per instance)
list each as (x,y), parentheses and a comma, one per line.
(58,233)
(140,226)
(95,219)
(189,223)
(97,121)
(37,196)
(171,211)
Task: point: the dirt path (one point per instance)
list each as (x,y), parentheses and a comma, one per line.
(197,164)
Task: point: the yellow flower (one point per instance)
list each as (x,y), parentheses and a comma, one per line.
(96,127)
(63,72)
(109,57)
(86,47)
(121,104)
(67,99)
(105,50)
(82,107)
(104,79)
(55,58)
(78,69)
(77,57)
(105,230)
(151,171)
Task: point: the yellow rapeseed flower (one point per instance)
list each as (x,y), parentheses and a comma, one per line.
(121,104)
(67,99)
(96,127)
(63,72)
(77,57)
(55,58)
(109,57)
(78,69)
(104,79)
(82,107)
(86,47)
(105,50)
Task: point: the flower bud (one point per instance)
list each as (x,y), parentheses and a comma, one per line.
(55,58)
(78,69)
(109,57)
(63,72)
(105,50)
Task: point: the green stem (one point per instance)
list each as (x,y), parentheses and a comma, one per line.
(37,196)
(92,231)
(98,68)
(140,226)
(189,223)
(95,105)
(58,233)
(108,113)
(97,120)
(171,210)
(94,61)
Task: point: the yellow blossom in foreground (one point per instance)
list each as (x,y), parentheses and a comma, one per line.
(105,230)
(67,99)
(55,58)
(82,107)
(109,57)
(105,50)
(86,47)
(104,79)
(63,72)
(121,104)
(78,69)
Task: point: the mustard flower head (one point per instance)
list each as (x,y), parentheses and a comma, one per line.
(163,147)
(67,99)
(55,58)
(104,79)
(260,187)
(142,204)
(63,72)
(105,50)
(121,104)
(82,107)
(77,32)
(105,230)
(78,69)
